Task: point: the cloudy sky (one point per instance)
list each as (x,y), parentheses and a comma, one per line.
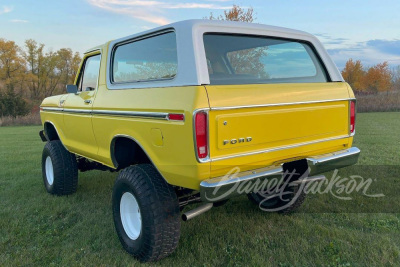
(368,30)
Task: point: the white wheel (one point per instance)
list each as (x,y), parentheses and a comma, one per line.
(130,216)
(59,169)
(49,171)
(146,213)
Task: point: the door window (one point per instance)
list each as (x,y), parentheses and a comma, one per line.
(89,74)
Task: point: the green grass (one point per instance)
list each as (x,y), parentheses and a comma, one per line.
(39,229)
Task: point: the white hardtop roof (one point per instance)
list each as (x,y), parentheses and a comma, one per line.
(192,23)
(218,24)
(192,65)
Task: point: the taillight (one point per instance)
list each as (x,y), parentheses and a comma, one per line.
(352,116)
(201,134)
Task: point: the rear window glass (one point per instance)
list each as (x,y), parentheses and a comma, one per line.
(243,59)
(149,59)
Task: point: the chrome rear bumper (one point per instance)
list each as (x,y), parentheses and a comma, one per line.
(230,185)
(336,160)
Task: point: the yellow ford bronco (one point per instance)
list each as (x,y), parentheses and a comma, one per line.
(197,112)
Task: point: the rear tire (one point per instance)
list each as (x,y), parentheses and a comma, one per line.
(285,198)
(59,169)
(146,213)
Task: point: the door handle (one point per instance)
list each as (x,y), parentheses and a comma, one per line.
(88,101)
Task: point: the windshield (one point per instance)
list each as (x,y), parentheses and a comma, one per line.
(243,59)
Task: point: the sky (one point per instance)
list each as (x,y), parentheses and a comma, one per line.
(366,30)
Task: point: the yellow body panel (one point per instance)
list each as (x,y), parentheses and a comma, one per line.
(273,122)
(175,159)
(78,127)
(282,120)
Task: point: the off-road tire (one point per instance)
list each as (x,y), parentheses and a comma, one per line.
(158,208)
(64,169)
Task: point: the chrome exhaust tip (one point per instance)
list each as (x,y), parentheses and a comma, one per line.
(197,211)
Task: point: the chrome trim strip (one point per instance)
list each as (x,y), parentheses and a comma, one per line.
(139,114)
(281,104)
(281,148)
(136,114)
(80,111)
(51,109)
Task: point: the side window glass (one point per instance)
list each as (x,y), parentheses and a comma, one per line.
(150,59)
(89,74)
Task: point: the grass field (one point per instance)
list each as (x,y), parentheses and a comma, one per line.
(39,229)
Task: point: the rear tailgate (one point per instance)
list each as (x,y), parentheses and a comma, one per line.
(264,124)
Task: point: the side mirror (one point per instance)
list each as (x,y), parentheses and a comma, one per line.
(72,89)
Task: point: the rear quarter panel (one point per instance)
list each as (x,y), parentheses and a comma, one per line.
(174,154)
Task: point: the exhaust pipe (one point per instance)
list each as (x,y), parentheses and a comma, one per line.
(308,180)
(206,207)
(197,211)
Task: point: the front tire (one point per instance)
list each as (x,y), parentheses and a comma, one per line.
(146,213)
(59,169)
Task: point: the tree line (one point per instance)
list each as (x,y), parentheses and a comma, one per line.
(29,73)
(371,80)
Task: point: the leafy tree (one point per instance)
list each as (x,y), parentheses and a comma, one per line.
(12,65)
(236,13)
(68,64)
(247,61)
(34,57)
(353,73)
(12,74)
(12,104)
(396,78)
(375,79)
(49,72)
(32,74)
(378,78)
